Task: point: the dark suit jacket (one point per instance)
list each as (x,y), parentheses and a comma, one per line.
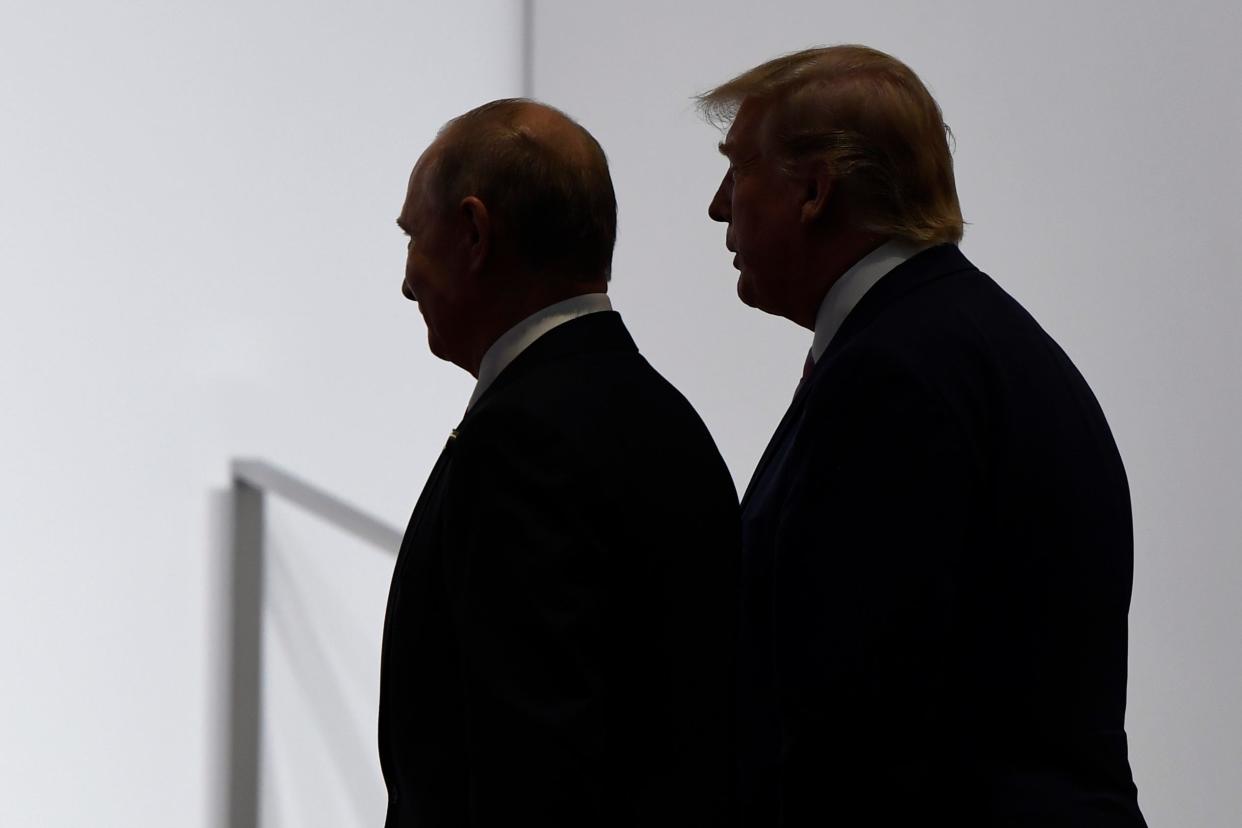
(936,576)
(558,646)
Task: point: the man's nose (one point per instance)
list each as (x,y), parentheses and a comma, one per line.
(718,210)
(407,292)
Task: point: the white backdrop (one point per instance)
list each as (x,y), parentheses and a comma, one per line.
(1097,162)
(199,260)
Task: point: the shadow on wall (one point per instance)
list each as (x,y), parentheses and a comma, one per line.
(293,666)
(219,571)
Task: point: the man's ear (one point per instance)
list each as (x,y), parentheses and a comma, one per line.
(816,198)
(477,223)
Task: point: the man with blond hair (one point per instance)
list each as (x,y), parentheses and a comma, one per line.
(558,645)
(937,546)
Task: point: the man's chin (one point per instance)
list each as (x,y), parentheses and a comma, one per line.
(753,298)
(436,346)
(746,292)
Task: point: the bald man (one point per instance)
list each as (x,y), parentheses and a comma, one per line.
(557,645)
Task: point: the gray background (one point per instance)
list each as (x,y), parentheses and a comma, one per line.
(198,261)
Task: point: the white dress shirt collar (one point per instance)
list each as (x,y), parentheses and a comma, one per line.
(846,291)
(518,338)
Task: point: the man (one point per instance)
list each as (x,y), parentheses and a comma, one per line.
(937,547)
(558,645)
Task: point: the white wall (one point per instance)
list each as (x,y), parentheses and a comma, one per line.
(1097,161)
(198,261)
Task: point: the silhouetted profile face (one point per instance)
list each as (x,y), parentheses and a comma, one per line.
(509,210)
(762,206)
(437,275)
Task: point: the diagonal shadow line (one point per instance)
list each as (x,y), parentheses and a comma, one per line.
(270,479)
(321,684)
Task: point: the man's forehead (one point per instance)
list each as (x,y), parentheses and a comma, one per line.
(734,142)
(423,162)
(743,133)
(410,204)
(418,175)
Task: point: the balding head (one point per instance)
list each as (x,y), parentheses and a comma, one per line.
(544,180)
(510,210)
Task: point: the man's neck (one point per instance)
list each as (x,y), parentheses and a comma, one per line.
(828,263)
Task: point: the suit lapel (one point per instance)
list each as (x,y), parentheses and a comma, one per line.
(778,438)
(428,495)
(911,274)
(412,554)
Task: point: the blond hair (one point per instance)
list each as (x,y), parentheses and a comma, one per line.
(869,118)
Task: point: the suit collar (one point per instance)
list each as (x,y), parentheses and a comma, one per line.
(520,337)
(853,284)
(916,271)
(593,333)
